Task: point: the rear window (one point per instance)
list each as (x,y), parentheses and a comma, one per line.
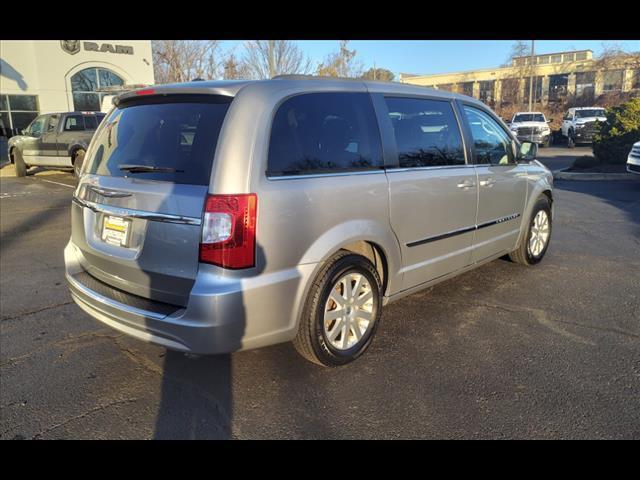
(74,123)
(90,122)
(178,135)
(324,133)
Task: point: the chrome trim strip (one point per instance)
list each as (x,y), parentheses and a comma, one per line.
(112,303)
(460,231)
(132,213)
(321,175)
(437,167)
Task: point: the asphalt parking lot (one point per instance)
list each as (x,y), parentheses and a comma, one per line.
(504,351)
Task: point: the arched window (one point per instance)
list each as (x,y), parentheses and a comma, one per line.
(85,85)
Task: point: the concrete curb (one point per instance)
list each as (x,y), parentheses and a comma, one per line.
(564,175)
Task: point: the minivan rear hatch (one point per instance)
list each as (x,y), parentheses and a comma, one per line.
(136,215)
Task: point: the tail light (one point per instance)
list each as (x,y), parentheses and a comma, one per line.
(229,230)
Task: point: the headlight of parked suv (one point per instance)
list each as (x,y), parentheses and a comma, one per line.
(579,125)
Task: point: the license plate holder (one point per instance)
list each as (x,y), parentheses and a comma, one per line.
(116,230)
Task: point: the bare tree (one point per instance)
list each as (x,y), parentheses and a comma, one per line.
(185,60)
(234,69)
(614,56)
(518,60)
(341,63)
(267,58)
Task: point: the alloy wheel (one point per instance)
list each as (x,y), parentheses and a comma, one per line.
(540,231)
(349,311)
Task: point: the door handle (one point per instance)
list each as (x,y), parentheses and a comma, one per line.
(487,183)
(466,184)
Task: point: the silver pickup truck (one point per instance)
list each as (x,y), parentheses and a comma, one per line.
(54,140)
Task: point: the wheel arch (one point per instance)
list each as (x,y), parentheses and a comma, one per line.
(375,254)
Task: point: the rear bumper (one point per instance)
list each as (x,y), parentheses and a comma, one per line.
(223,315)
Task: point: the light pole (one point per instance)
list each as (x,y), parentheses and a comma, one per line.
(531,78)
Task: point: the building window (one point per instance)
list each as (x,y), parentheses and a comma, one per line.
(581,56)
(537,89)
(612,80)
(466,88)
(486,91)
(558,87)
(585,84)
(556,58)
(568,57)
(16,113)
(510,90)
(544,59)
(86,85)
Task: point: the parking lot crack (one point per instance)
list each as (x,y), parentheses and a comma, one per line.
(31,312)
(83,415)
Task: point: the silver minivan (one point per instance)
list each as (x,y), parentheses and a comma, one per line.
(219,216)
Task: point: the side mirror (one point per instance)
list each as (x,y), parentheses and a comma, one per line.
(23,131)
(550,120)
(528,151)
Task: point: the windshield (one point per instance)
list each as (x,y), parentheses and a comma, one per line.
(595,112)
(529,117)
(178,138)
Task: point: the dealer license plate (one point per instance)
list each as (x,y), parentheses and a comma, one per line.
(115,230)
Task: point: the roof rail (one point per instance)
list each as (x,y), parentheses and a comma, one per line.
(298,76)
(293,76)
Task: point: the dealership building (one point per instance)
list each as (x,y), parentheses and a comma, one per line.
(554,77)
(43,76)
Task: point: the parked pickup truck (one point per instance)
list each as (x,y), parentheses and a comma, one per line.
(54,140)
(532,127)
(580,125)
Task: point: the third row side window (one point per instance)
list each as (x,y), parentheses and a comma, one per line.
(427,132)
(324,133)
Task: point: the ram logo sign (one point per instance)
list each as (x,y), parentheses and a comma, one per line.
(73,46)
(107,47)
(70,46)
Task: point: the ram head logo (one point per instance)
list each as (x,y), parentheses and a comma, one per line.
(70,46)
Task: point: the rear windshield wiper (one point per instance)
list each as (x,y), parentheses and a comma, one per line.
(148,168)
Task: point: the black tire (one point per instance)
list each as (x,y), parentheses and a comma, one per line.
(522,255)
(311,341)
(78,160)
(21,167)
(571,143)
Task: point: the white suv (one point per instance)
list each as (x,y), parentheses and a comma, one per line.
(532,127)
(633,160)
(579,125)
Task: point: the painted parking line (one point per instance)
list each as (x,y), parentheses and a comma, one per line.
(57,183)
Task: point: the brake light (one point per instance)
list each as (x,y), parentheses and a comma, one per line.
(229,230)
(148,91)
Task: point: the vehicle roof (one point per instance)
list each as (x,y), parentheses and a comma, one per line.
(233,87)
(587,108)
(528,113)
